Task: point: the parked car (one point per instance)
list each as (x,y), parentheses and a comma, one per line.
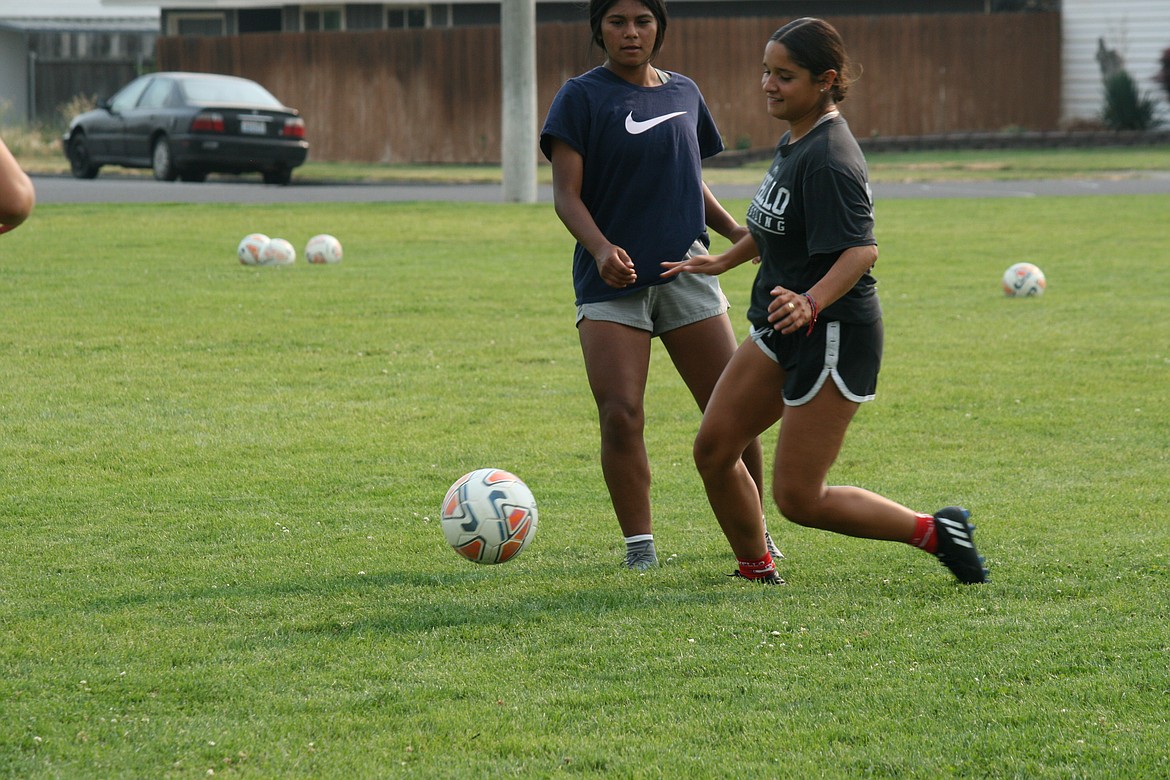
(187,125)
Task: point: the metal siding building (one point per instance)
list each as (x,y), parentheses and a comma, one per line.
(39,36)
(1138,30)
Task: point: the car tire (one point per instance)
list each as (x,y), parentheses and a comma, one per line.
(81,164)
(161,161)
(281,175)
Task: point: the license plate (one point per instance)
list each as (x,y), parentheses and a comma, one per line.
(252,127)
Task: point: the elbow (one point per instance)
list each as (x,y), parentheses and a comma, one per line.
(16,209)
(566,204)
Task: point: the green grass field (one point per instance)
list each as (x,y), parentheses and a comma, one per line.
(220,489)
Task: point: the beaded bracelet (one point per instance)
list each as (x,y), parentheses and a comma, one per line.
(812,304)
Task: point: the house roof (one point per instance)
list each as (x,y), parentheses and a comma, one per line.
(212,5)
(74,9)
(134,24)
(226,5)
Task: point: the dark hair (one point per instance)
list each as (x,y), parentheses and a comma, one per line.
(599,8)
(816,46)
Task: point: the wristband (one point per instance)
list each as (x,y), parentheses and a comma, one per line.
(812,304)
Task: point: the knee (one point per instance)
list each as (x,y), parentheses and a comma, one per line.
(712,456)
(795,504)
(620,421)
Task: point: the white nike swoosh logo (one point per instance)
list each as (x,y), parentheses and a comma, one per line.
(634,127)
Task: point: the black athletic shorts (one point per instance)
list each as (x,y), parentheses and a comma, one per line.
(849,353)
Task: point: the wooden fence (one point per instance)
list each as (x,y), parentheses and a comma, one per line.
(435,95)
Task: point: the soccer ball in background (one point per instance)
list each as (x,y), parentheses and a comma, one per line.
(278,251)
(323,249)
(250,247)
(1023,280)
(489,516)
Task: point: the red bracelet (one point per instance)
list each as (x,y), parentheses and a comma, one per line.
(812,304)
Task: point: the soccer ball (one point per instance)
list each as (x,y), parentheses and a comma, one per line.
(489,516)
(278,251)
(249,249)
(323,249)
(1023,280)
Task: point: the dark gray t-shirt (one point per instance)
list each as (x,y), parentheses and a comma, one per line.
(813,204)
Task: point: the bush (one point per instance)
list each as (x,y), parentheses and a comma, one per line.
(25,140)
(78,104)
(1125,109)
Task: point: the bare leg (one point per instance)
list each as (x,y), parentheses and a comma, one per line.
(700,352)
(810,440)
(617,359)
(747,401)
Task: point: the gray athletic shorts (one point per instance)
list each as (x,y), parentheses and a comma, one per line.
(663,307)
(849,353)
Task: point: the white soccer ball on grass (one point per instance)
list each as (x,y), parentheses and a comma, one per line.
(250,247)
(1023,280)
(489,516)
(323,249)
(278,251)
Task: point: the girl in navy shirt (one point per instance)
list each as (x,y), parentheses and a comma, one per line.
(626,141)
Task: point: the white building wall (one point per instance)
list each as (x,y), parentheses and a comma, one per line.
(1138,30)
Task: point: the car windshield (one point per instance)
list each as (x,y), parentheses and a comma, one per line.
(233,91)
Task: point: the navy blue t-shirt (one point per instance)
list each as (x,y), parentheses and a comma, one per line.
(813,204)
(642,149)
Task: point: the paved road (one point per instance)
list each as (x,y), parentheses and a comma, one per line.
(113,189)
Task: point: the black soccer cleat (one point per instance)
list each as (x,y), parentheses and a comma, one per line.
(956,545)
(771,578)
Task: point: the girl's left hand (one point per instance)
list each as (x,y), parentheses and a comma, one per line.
(789,312)
(712,265)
